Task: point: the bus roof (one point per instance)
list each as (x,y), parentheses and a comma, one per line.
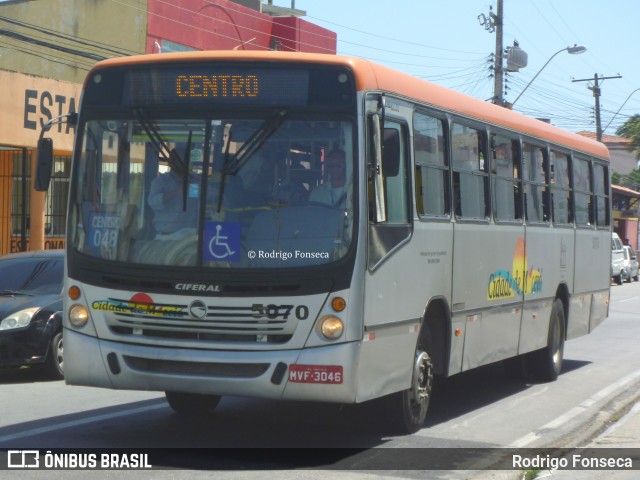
(372,76)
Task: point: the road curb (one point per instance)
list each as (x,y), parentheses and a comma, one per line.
(596,422)
(585,421)
(599,421)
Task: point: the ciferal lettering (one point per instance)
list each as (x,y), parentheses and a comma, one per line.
(198,287)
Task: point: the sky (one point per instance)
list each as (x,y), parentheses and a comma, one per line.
(444,42)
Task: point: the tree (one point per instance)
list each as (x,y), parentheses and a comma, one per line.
(631,129)
(631,180)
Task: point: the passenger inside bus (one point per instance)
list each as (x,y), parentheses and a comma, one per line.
(334,190)
(175,212)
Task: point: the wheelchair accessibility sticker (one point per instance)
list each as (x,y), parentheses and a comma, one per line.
(222,241)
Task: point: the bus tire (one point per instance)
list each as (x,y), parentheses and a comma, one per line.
(192,404)
(546,364)
(409,407)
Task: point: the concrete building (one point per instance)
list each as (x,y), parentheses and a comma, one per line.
(47,48)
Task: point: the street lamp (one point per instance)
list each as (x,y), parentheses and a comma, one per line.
(576,49)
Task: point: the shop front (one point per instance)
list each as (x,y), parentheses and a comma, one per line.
(31,220)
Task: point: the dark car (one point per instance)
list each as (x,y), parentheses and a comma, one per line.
(30,310)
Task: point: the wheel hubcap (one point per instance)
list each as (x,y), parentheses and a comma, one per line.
(60,354)
(557,351)
(422,378)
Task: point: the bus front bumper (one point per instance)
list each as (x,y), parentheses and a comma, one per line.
(262,374)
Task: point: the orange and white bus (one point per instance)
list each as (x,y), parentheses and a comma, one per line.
(316,227)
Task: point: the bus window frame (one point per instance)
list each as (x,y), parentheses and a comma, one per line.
(446,169)
(483,130)
(576,156)
(518,181)
(568,154)
(546,195)
(606,195)
(385,238)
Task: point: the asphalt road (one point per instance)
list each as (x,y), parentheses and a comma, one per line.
(478,409)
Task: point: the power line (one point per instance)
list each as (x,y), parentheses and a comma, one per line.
(53,46)
(49,58)
(54,33)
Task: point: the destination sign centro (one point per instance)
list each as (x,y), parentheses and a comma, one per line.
(255,86)
(217,86)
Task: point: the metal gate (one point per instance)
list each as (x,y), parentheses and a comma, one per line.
(15,199)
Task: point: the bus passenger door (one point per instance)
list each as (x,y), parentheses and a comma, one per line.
(544,246)
(390,304)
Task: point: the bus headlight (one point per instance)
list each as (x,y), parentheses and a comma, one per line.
(78,315)
(331,327)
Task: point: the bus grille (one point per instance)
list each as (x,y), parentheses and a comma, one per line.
(219,324)
(232,370)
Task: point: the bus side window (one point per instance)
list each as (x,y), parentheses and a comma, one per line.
(583,191)
(432,170)
(388,190)
(395,174)
(470,176)
(560,189)
(505,175)
(535,184)
(601,191)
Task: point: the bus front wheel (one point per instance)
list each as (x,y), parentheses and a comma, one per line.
(409,407)
(192,404)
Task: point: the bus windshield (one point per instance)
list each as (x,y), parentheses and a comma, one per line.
(273,189)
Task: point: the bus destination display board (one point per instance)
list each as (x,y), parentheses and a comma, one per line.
(216,85)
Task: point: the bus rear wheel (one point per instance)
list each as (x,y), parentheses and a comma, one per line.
(192,404)
(409,407)
(545,364)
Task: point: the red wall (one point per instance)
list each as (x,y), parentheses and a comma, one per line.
(296,34)
(223,25)
(628,230)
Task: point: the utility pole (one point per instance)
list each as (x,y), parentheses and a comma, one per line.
(596,94)
(492,24)
(498,80)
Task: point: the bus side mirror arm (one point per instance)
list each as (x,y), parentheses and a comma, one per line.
(376,170)
(44,166)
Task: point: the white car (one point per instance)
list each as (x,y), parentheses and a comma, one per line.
(630,271)
(617,259)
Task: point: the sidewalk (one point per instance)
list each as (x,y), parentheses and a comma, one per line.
(624,434)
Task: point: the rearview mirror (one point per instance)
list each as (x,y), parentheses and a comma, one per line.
(44,165)
(390,152)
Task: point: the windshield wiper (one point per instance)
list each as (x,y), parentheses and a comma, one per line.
(156,139)
(14,292)
(248,148)
(223,174)
(255,141)
(185,173)
(170,155)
